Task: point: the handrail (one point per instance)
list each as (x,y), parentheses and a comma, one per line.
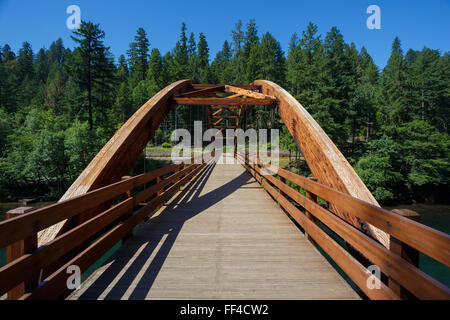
(432,242)
(56,282)
(410,277)
(30,264)
(20,227)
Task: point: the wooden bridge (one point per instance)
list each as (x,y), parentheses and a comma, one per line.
(205,230)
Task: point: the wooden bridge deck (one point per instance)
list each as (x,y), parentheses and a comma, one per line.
(221,237)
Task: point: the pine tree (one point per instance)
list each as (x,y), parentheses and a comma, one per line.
(180,56)
(123,102)
(122,69)
(138,55)
(155,69)
(192,56)
(221,67)
(25,62)
(303,65)
(202,59)
(394,90)
(272,59)
(89,60)
(238,54)
(251,39)
(169,73)
(105,82)
(331,107)
(427,79)
(42,66)
(56,52)
(8,80)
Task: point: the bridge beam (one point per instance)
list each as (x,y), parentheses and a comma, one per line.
(224,101)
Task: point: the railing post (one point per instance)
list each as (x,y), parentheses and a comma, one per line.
(127,195)
(283,180)
(18,249)
(177,169)
(309,215)
(406,252)
(159,192)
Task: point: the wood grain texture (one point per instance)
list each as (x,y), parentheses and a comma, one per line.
(324,159)
(432,242)
(224,101)
(221,238)
(54,286)
(247,93)
(118,156)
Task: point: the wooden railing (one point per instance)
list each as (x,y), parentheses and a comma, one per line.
(21,276)
(404,276)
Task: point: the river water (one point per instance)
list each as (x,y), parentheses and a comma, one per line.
(435,216)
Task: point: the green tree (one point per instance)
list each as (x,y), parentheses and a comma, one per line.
(80,147)
(221,67)
(180,56)
(238,53)
(90,59)
(202,59)
(138,55)
(155,69)
(378,171)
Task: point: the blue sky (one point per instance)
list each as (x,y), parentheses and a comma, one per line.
(417,23)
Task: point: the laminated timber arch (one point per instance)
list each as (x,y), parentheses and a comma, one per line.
(119,155)
(324,159)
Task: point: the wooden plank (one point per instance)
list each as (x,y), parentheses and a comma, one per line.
(201,92)
(406,252)
(28,264)
(248,93)
(201,246)
(234,96)
(226,117)
(243,86)
(18,228)
(419,283)
(225,127)
(17,250)
(432,242)
(324,159)
(357,272)
(209,116)
(218,121)
(313,198)
(224,101)
(55,284)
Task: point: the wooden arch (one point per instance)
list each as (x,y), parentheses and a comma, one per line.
(120,153)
